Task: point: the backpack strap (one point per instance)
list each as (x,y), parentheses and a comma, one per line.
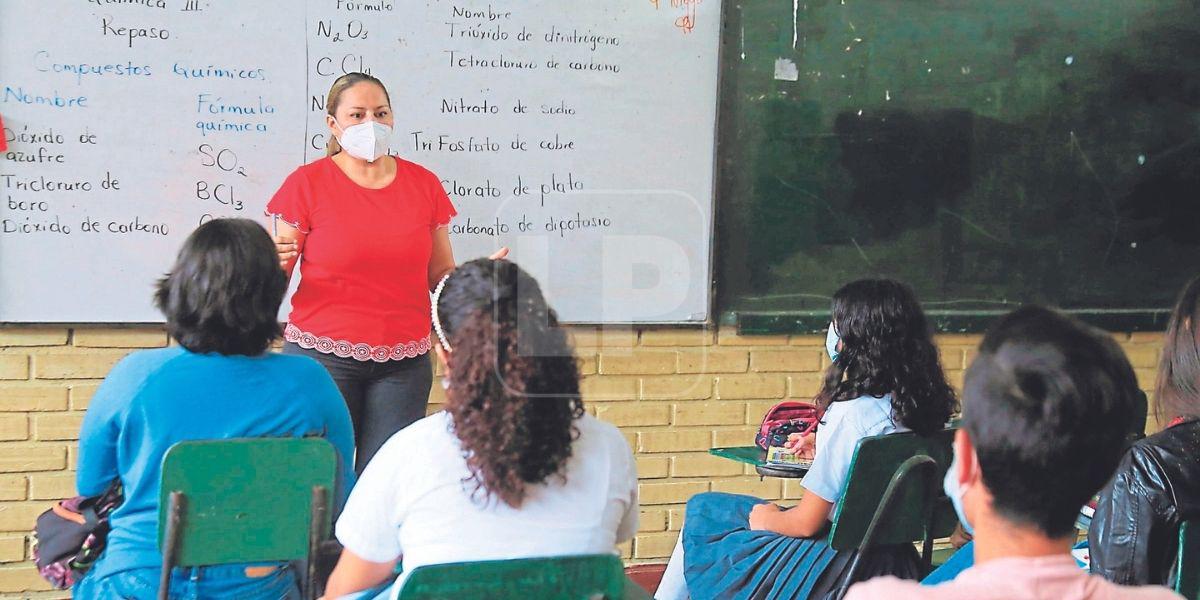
(70,515)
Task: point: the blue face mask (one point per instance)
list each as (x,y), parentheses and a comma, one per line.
(955,493)
(831,342)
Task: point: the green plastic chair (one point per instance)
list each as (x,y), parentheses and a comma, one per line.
(1187,563)
(245,500)
(584,577)
(894,496)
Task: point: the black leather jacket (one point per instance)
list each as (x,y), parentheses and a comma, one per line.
(1134,535)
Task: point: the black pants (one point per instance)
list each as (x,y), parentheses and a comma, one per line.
(383,398)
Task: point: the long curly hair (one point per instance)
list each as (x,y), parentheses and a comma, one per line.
(887,348)
(513,379)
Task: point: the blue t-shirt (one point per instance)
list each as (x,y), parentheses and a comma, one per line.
(843,425)
(155,398)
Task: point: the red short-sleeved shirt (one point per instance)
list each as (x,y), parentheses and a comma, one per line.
(364,263)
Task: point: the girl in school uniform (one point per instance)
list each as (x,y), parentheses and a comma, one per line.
(884,377)
(369,232)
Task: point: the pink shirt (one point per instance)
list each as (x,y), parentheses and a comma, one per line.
(1046,578)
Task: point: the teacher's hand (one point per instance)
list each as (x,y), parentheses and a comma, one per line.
(285,247)
(501,253)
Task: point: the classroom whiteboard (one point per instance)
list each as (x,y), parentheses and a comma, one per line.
(581,135)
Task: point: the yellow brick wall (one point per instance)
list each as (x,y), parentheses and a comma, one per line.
(674,393)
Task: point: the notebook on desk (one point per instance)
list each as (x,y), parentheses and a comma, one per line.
(777,456)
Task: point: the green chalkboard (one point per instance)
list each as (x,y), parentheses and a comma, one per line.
(989,153)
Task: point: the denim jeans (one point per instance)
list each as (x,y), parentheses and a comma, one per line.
(195,583)
(383,398)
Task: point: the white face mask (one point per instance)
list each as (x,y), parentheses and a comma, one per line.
(367,140)
(955,493)
(831,342)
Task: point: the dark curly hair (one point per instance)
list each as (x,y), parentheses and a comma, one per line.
(223,293)
(887,348)
(514,382)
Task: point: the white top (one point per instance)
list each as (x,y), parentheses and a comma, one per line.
(843,425)
(411,501)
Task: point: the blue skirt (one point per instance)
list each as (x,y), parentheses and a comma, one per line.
(723,558)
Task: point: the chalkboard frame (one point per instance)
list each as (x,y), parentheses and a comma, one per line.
(943,321)
(700,280)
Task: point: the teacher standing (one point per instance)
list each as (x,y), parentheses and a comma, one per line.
(369,231)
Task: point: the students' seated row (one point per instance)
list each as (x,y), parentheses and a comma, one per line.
(515,468)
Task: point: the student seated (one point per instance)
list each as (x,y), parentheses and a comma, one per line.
(220,299)
(1046,406)
(1134,536)
(513,468)
(884,377)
